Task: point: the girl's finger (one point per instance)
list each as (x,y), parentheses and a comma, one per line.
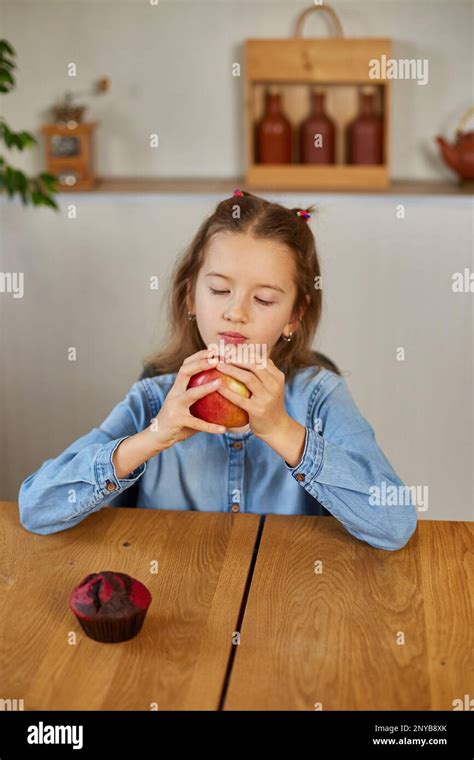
(204,427)
(236,398)
(247,377)
(199,391)
(186,371)
(269,376)
(202,354)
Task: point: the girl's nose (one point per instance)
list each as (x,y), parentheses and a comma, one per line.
(236,313)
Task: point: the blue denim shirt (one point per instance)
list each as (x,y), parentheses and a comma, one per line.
(237,471)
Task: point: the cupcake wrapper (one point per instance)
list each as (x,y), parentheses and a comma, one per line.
(113,631)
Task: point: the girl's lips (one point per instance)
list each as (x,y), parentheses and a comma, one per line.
(232,338)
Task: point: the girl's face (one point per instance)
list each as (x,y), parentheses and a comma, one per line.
(246,286)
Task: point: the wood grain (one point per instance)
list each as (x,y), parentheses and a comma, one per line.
(375,630)
(333,640)
(180,657)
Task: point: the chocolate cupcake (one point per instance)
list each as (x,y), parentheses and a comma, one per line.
(110,606)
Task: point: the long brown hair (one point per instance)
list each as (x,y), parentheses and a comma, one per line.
(263,220)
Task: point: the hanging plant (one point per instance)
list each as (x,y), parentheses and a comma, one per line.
(35,190)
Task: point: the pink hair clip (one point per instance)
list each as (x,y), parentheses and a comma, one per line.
(238,192)
(304,214)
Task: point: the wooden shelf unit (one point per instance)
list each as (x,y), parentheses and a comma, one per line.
(338,65)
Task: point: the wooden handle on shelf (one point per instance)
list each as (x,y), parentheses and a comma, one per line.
(464,118)
(312,9)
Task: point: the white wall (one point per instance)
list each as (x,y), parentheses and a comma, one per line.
(387,281)
(171,72)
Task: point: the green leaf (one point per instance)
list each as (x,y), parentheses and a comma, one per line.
(5,76)
(48,201)
(7,136)
(20,140)
(4,62)
(49,181)
(21,181)
(10,179)
(27,139)
(6,47)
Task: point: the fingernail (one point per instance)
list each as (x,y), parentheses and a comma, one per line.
(215,382)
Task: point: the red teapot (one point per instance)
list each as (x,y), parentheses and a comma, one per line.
(460,154)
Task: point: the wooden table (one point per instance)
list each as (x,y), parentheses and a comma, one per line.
(249,612)
(178,660)
(334,639)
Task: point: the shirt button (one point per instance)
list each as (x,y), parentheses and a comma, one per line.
(235,508)
(237,445)
(300,476)
(110,486)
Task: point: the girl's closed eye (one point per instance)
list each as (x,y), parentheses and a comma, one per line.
(222,292)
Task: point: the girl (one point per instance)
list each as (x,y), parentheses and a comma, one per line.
(251,269)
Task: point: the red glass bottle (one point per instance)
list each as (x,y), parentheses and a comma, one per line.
(273,132)
(317,133)
(364,135)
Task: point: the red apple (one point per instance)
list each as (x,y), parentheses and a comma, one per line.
(214,407)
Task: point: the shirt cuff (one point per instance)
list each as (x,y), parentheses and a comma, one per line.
(312,460)
(106,476)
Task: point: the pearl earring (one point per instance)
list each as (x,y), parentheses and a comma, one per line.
(191,316)
(287,338)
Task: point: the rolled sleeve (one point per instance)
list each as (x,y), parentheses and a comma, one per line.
(107,480)
(311,461)
(80,480)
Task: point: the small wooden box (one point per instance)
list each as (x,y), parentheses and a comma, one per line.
(69,154)
(339,65)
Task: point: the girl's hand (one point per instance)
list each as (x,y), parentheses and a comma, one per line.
(266,406)
(174,422)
